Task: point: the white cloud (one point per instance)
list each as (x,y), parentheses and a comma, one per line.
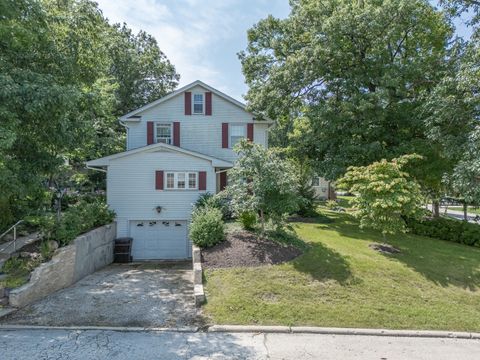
(200,37)
(184,31)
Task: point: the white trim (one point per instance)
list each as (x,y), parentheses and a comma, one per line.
(175,180)
(185,88)
(156,124)
(101,162)
(203,104)
(245,130)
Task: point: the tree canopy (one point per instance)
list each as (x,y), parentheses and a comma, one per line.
(351,76)
(354,82)
(65,76)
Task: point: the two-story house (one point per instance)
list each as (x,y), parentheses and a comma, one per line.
(178,147)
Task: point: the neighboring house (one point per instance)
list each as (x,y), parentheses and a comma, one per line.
(323,188)
(178,147)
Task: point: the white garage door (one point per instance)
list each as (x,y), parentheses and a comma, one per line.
(159,240)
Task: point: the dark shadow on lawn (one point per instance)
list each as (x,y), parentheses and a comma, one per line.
(442,262)
(323,263)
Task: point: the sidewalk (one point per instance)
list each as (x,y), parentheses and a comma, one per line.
(455,214)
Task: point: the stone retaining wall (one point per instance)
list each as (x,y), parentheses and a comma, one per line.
(198,290)
(88,253)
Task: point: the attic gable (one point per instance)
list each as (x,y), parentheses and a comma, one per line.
(135,115)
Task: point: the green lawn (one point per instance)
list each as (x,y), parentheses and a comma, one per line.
(341,282)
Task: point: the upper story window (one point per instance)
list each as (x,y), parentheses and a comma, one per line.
(181,180)
(316,181)
(163,133)
(237,133)
(198,103)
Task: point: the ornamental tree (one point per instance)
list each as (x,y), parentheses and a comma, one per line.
(262,182)
(385,194)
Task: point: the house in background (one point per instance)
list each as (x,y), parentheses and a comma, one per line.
(178,147)
(323,188)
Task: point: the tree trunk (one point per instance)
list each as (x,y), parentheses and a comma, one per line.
(436,208)
(465,212)
(262,220)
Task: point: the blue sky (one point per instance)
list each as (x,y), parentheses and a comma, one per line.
(202,37)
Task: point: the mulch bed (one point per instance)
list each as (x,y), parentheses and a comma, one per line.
(245,249)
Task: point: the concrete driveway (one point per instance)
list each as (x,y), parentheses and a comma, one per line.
(143,295)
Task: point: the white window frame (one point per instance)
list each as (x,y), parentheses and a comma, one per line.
(230,145)
(164,124)
(193,103)
(175,180)
(318,181)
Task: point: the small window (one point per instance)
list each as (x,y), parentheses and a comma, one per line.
(237,133)
(198,103)
(316,181)
(181,180)
(192,180)
(170,180)
(164,133)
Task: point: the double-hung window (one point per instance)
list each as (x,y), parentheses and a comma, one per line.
(237,133)
(163,133)
(198,103)
(181,180)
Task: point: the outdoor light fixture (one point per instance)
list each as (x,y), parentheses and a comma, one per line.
(159,209)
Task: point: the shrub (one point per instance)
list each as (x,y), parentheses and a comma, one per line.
(446,229)
(203,200)
(6,216)
(207,227)
(248,220)
(219,201)
(76,220)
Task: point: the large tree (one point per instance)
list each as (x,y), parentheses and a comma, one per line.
(454,110)
(353,76)
(61,91)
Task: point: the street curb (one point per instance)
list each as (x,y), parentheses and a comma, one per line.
(262,329)
(186,329)
(343,331)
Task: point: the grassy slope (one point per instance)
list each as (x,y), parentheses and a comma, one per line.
(340,281)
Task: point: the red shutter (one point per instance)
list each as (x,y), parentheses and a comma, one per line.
(149,132)
(176,134)
(188,103)
(208,103)
(250,132)
(223,180)
(225,135)
(159,180)
(202,180)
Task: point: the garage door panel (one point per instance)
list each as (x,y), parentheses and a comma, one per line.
(159,240)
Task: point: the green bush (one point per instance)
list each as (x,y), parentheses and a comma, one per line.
(219,201)
(248,219)
(446,229)
(207,227)
(6,216)
(77,219)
